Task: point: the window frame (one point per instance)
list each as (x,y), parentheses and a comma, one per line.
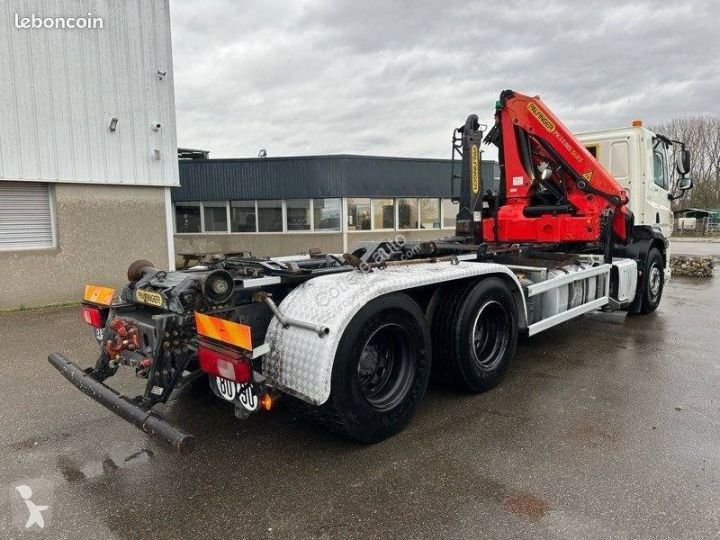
(398,225)
(214,204)
(395,214)
(347,215)
(283,217)
(442,213)
(420,216)
(255,214)
(310,217)
(343,203)
(663,157)
(199,204)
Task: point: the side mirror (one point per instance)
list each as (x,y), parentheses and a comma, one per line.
(682,162)
(684,183)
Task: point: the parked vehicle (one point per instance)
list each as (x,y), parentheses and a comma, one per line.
(351,341)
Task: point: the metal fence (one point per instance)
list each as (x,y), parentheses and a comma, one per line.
(686,226)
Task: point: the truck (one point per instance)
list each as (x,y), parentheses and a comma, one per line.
(576,224)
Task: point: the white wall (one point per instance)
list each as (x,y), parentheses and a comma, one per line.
(59,89)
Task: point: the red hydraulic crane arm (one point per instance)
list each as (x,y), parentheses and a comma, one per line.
(567,203)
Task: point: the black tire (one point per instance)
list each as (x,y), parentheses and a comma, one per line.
(649,294)
(475,332)
(381,371)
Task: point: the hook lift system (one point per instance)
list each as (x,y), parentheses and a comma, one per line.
(350,340)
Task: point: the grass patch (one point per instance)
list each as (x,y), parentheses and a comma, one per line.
(22,308)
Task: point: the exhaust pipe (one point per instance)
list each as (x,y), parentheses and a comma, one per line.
(147,421)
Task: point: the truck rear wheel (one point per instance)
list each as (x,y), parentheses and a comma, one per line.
(381,370)
(475,332)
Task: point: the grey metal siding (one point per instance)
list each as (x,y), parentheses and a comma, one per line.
(59,89)
(318,176)
(290,178)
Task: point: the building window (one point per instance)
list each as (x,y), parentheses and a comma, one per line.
(187,218)
(429,213)
(407,213)
(215,214)
(26,218)
(298,214)
(242,216)
(383,213)
(359,215)
(327,214)
(449,211)
(270,216)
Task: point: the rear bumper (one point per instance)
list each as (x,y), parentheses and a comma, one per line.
(127,409)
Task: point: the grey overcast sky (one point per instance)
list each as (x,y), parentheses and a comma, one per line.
(302,77)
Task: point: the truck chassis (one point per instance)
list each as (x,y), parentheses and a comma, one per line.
(351,340)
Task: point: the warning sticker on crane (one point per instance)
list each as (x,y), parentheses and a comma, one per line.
(587,175)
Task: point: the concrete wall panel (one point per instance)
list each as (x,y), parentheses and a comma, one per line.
(262,245)
(100,231)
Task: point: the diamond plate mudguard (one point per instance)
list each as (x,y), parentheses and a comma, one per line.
(300,362)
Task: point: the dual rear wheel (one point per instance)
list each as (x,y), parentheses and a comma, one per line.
(386,356)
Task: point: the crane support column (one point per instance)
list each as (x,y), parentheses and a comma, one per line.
(469,220)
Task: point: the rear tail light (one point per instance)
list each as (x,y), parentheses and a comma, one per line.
(93,315)
(224,362)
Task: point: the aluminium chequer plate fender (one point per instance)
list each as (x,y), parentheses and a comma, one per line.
(300,362)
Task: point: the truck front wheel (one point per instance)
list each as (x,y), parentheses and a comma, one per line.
(650,286)
(381,370)
(474,334)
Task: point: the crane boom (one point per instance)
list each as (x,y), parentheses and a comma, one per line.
(552,188)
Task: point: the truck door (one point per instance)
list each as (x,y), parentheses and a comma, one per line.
(659,211)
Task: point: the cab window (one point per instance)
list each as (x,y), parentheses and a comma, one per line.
(660,171)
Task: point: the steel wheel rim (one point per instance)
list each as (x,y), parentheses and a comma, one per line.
(655,281)
(385,367)
(490,334)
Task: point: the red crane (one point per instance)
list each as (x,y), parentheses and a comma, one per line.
(552,189)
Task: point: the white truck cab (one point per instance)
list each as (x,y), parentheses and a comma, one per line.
(640,160)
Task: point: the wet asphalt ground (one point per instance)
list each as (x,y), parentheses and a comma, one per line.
(605,427)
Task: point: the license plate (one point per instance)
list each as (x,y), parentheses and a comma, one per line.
(237,393)
(148,297)
(99,333)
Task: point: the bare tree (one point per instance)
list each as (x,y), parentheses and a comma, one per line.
(702,136)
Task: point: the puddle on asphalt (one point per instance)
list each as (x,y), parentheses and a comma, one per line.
(526,505)
(110,462)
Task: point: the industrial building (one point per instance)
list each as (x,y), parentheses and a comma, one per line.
(89,170)
(287,205)
(88,148)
